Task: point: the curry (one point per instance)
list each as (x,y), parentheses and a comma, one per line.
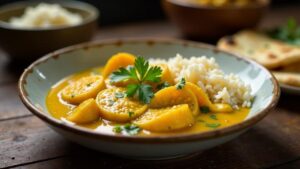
(109,100)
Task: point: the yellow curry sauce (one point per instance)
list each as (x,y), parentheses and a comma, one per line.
(60,109)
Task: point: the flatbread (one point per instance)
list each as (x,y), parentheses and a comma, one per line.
(292,79)
(259,47)
(293,67)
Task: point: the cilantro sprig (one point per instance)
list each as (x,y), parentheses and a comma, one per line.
(140,73)
(290,32)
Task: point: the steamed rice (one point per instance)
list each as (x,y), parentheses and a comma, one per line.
(45,16)
(206,73)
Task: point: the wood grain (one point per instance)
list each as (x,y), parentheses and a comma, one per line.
(273,141)
(291,165)
(10,104)
(7,75)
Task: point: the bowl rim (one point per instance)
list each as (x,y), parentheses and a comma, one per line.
(239,127)
(83,6)
(264,4)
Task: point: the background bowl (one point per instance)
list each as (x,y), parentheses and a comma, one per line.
(27,44)
(37,79)
(207,23)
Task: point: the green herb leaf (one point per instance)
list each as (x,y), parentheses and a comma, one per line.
(180,84)
(213,125)
(289,33)
(120,75)
(119,95)
(131,89)
(204,109)
(140,74)
(162,85)
(117,129)
(141,66)
(213,116)
(130,114)
(131,129)
(153,74)
(145,93)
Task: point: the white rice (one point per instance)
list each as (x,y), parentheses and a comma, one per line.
(206,73)
(45,16)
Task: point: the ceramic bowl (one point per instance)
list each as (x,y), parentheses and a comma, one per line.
(28,44)
(207,23)
(37,79)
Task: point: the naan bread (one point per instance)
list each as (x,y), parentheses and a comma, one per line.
(259,47)
(293,67)
(292,79)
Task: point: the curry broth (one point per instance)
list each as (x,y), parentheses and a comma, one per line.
(204,122)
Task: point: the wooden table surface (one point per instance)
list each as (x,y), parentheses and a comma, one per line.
(26,142)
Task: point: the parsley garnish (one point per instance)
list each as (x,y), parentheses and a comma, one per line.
(213,116)
(117,129)
(204,109)
(162,85)
(180,84)
(130,129)
(290,32)
(213,125)
(119,95)
(141,72)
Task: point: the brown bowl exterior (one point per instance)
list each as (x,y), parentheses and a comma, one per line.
(212,23)
(25,45)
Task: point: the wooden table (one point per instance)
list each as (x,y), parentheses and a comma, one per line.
(26,142)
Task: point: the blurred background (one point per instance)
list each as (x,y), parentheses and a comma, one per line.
(120,11)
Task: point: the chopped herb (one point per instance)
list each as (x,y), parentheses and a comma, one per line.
(72,95)
(290,32)
(204,109)
(163,85)
(131,129)
(117,129)
(213,125)
(119,95)
(213,116)
(180,84)
(130,114)
(141,72)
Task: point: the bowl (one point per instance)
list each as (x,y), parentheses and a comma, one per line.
(27,44)
(207,23)
(37,79)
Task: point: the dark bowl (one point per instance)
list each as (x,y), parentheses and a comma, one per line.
(27,44)
(208,23)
